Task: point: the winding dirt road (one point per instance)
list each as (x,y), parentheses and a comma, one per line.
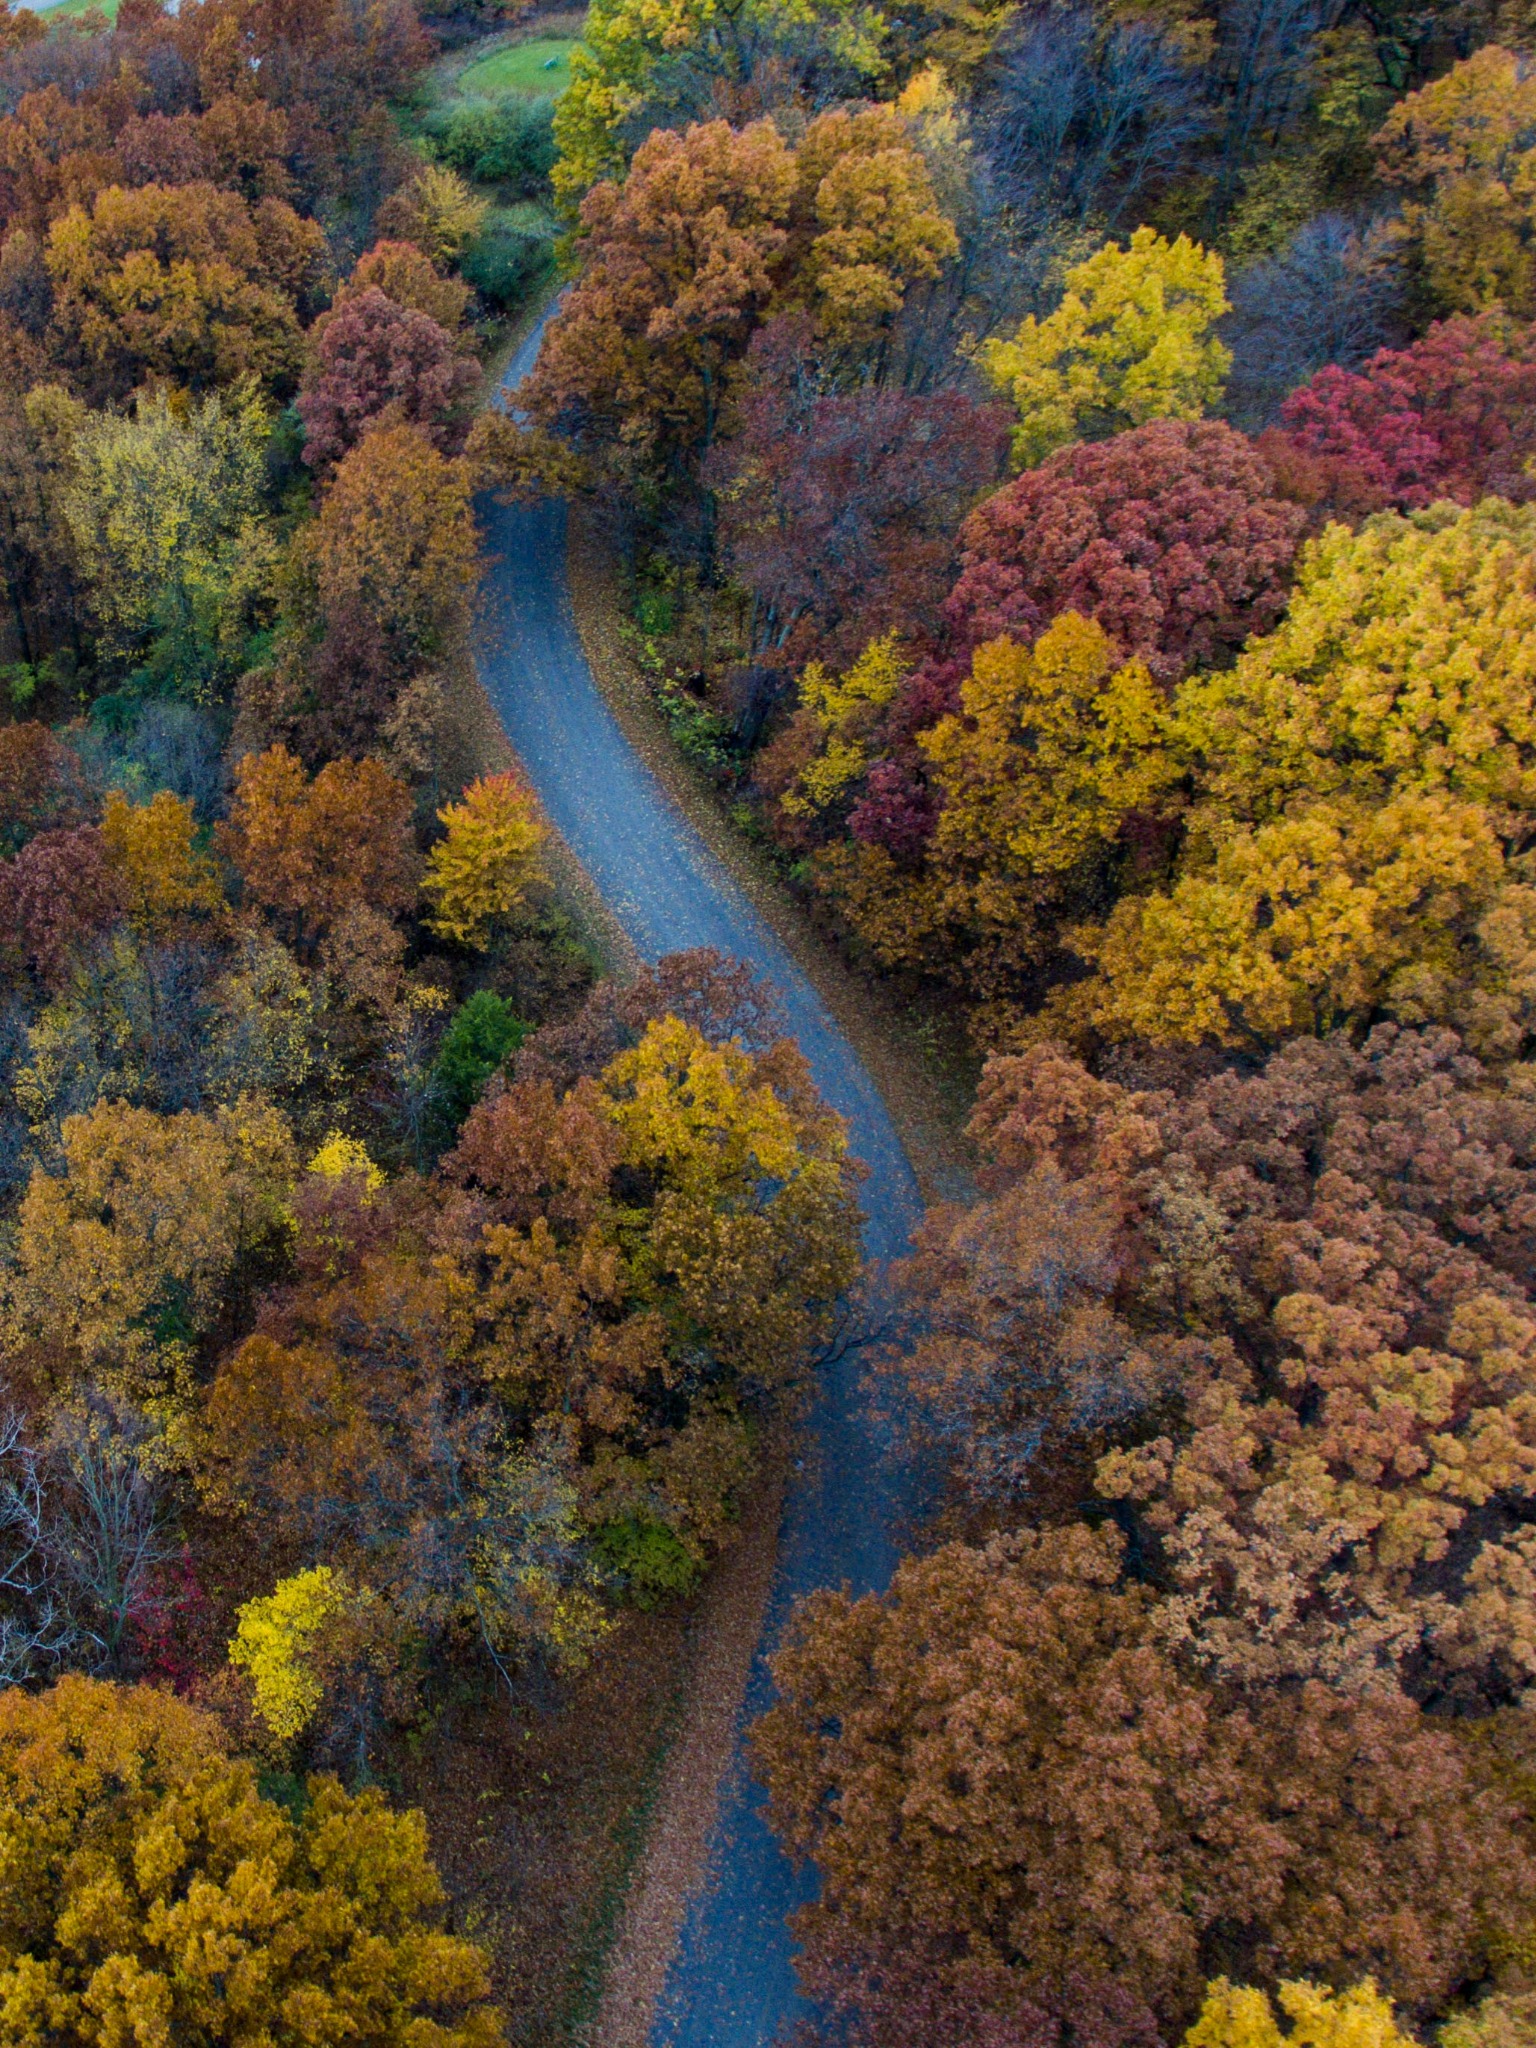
(730,1983)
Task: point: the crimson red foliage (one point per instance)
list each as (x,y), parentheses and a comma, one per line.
(59,890)
(376,357)
(1171,536)
(1453,416)
(839,508)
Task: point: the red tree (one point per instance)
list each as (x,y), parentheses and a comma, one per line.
(1171,536)
(58,891)
(1454,416)
(839,508)
(375,357)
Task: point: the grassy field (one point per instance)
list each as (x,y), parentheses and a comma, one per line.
(108,7)
(540,66)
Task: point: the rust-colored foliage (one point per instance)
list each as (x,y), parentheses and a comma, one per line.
(998,1768)
(312,850)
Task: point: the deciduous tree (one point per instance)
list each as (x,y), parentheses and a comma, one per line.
(188,283)
(484,866)
(1452,416)
(995,1766)
(313,850)
(214,1913)
(1171,535)
(396,536)
(838,509)
(130,1246)
(1463,149)
(378,358)
(1130,342)
(165,509)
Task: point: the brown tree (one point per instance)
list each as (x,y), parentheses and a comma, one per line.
(997,1768)
(312,850)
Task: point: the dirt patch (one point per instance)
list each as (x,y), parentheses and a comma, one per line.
(928,1100)
(535,1818)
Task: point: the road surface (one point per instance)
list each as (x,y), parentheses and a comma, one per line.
(732,1984)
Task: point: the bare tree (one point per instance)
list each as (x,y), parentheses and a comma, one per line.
(1331,295)
(80,1537)
(1083,124)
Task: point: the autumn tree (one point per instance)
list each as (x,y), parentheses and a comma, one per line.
(1328,916)
(374,358)
(253,1915)
(1451,416)
(1130,342)
(1052,750)
(167,520)
(1401,665)
(711,230)
(681,262)
(42,784)
(1235,2016)
(411,279)
(437,211)
(396,537)
(867,223)
(1335,1464)
(996,1769)
(124,1253)
(1461,152)
(632,59)
(58,894)
(1172,536)
(311,850)
(838,509)
(485,864)
(164,876)
(188,283)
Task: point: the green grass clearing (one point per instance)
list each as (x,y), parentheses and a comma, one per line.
(52,7)
(540,66)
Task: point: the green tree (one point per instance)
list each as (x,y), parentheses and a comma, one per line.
(1131,341)
(480,1035)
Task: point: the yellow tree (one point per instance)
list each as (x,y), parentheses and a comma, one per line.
(182,282)
(487,861)
(128,1249)
(1303,925)
(839,713)
(1406,660)
(153,1896)
(1131,341)
(753,1233)
(274,1642)
(164,875)
(1053,749)
(1235,2016)
(165,513)
(1464,151)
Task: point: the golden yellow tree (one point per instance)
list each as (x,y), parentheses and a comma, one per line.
(1303,925)
(1131,341)
(165,875)
(1235,2016)
(1463,150)
(483,867)
(152,1895)
(127,1250)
